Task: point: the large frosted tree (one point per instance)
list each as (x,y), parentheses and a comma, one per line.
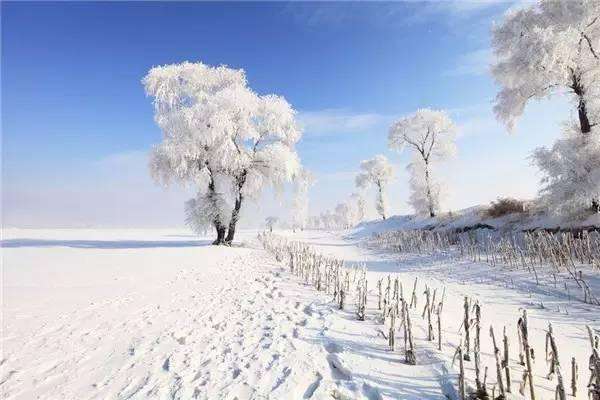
(220,136)
(429,135)
(554,47)
(191,152)
(376,172)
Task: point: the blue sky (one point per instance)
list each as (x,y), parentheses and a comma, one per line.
(76,125)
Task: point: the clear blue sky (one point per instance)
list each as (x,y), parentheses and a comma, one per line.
(76,125)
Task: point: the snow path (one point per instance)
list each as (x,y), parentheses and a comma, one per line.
(154,322)
(115,314)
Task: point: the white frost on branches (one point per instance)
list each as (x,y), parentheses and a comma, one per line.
(215,128)
(377,172)
(430,135)
(553,46)
(572,168)
(201,211)
(548,47)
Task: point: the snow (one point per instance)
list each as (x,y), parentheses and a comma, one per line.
(473,216)
(96,314)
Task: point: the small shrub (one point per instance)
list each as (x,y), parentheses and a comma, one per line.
(504,206)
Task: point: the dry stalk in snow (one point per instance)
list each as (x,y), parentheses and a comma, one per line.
(427,312)
(413,298)
(477,351)
(461,374)
(362,296)
(594,382)
(528,373)
(552,357)
(562,253)
(379,294)
(439,324)
(409,349)
(574,376)
(500,383)
(466,325)
(505,360)
(392,330)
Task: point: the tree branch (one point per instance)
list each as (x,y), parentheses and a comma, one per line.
(589,42)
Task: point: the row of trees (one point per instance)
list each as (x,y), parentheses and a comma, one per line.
(222,138)
(229,142)
(344,215)
(546,48)
(429,136)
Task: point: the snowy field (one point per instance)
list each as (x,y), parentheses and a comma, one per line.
(132,314)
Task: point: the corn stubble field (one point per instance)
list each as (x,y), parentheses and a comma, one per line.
(554,260)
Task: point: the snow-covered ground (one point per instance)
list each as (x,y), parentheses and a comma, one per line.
(473,216)
(117,314)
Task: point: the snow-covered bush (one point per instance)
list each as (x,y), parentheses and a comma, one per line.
(430,136)
(377,172)
(505,206)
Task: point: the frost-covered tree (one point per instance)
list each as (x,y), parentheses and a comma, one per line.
(302,183)
(430,135)
(270,222)
(554,47)
(216,128)
(343,215)
(572,172)
(359,207)
(314,222)
(186,110)
(377,172)
(551,46)
(328,220)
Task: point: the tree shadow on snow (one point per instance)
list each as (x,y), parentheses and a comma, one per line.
(102,244)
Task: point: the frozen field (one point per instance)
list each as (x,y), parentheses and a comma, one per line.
(120,314)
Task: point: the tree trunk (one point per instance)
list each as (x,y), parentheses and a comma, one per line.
(235,214)
(584,122)
(381,201)
(586,127)
(427,183)
(219,226)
